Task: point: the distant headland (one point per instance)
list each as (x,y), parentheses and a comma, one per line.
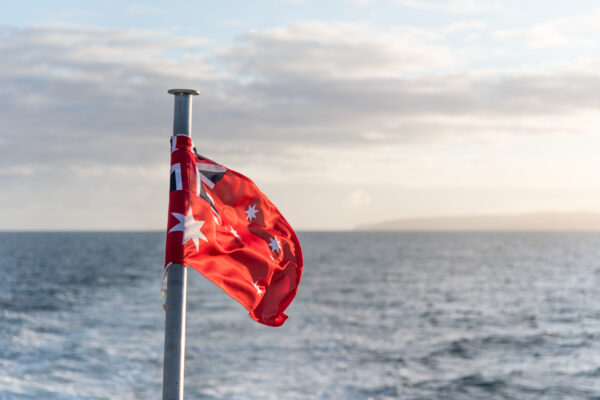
(547,221)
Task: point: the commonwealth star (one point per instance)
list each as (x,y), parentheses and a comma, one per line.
(190,228)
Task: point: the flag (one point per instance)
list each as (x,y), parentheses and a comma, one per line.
(224,227)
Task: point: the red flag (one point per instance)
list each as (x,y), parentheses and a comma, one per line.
(224,227)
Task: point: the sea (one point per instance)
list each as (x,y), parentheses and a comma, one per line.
(378,315)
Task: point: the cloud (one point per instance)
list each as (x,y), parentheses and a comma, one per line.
(336,51)
(84,114)
(22,170)
(571,31)
(71,96)
(464,26)
(74,93)
(358,198)
(537,36)
(453,6)
(142,10)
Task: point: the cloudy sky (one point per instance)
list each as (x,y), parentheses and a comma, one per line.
(343,112)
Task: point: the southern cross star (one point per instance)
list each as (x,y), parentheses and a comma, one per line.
(274,245)
(258,290)
(251,212)
(190,228)
(234,232)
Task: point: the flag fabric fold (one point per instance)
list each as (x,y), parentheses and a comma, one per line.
(224,227)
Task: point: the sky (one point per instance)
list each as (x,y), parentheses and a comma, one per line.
(344,112)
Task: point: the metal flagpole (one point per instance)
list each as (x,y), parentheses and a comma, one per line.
(174,363)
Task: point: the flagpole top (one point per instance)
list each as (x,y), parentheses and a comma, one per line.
(178,92)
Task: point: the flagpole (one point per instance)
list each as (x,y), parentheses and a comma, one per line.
(174,362)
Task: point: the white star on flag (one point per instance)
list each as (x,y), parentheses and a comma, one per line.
(274,245)
(190,228)
(251,212)
(258,290)
(234,232)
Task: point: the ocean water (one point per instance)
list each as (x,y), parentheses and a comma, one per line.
(377,316)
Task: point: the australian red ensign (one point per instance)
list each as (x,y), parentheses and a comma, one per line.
(224,227)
